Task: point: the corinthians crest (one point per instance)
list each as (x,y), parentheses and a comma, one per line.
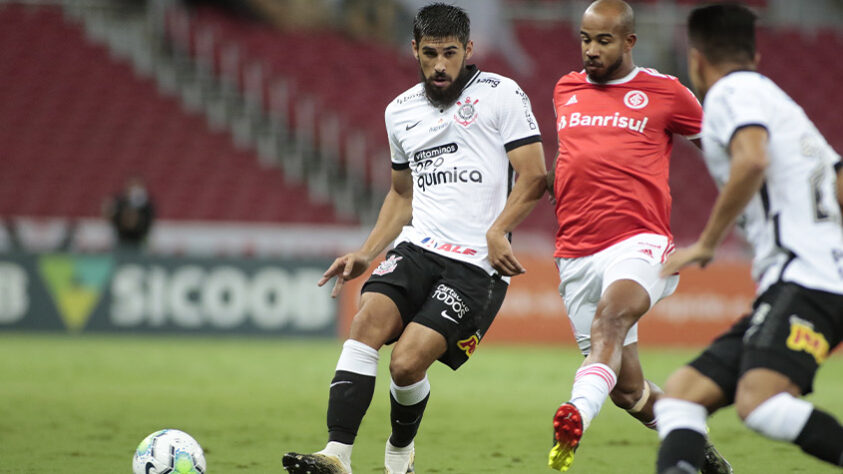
(467,113)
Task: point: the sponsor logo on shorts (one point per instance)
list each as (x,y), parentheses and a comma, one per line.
(447,247)
(803,337)
(444,314)
(452,300)
(757,320)
(387,266)
(469,345)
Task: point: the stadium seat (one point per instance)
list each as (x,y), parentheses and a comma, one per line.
(76,124)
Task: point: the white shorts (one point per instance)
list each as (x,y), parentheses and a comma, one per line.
(584,279)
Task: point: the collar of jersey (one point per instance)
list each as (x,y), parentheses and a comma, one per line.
(622,80)
(475,71)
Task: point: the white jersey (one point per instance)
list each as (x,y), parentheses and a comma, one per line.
(794,222)
(458,159)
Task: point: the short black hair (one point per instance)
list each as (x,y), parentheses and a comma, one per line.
(440,20)
(723,32)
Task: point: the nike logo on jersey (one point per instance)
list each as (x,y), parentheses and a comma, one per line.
(445,315)
(413,125)
(339,383)
(572,100)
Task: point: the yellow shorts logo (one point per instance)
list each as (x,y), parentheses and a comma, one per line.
(804,338)
(469,345)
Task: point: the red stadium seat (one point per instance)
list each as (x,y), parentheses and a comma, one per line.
(76,124)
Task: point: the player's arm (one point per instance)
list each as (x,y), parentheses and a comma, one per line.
(748,151)
(396,211)
(528,163)
(550,181)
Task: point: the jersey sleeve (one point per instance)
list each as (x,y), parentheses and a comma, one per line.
(734,107)
(687,113)
(399,159)
(517,124)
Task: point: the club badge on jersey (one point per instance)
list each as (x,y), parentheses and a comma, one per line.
(467,113)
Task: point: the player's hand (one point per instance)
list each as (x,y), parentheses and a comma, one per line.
(347,267)
(695,254)
(501,256)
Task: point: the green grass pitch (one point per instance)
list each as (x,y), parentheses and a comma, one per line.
(80,404)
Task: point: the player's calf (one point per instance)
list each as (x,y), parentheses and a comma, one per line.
(639,405)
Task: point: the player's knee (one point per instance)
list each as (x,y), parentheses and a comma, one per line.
(745,403)
(373,329)
(405,369)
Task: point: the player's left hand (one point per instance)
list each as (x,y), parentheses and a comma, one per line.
(501,256)
(695,254)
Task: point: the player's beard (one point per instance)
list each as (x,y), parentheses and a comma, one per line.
(608,72)
(444,98)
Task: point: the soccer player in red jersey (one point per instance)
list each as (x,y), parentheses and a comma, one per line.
(615,125)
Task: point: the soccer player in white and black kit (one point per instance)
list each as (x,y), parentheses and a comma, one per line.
(781,181)
(457,138)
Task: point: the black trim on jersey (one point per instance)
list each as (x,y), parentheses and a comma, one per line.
(400,166)
(510,180)
(743,126)
(791,256)
(473,69)
(837,166)
(765,200)
(521,142)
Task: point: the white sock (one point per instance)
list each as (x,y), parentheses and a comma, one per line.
(411,394)
(780,417)
(338,450)
(358,358)
(592,385)
(675,414)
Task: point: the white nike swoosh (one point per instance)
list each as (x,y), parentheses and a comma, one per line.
(445,315)
(340,382)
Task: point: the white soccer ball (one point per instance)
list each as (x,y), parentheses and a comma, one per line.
(169,452)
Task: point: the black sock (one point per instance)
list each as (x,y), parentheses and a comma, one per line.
(348,401)
(405,421)
(682,449)
(822,437)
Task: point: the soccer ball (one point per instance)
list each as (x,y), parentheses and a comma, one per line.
(169,452)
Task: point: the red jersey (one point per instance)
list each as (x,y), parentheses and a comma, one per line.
(613,165)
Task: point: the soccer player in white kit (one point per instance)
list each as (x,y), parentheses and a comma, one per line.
(456,139)
(781,181)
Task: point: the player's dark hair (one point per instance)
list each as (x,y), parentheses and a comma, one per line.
(723,32)
(440,20)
